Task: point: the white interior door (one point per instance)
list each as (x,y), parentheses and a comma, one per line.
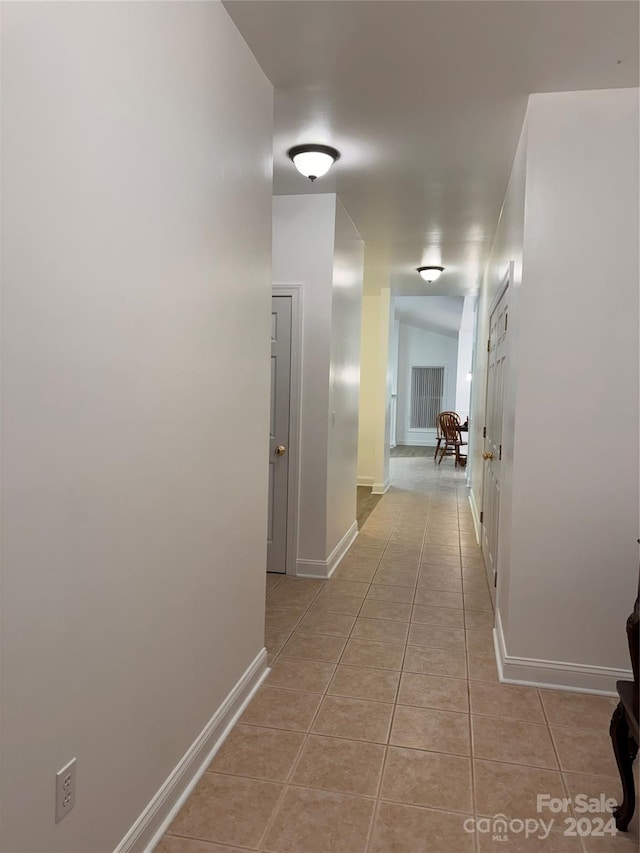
(279,433)
(492,454)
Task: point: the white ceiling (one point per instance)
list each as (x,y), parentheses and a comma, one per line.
(425,100)
(440,314)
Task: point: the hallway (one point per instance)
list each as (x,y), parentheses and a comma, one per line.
(382,726)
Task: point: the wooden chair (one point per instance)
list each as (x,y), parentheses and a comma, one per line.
(624,725)
(450,428)
(439,433)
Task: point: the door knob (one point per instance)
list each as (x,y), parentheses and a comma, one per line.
(281,450)
(487,454)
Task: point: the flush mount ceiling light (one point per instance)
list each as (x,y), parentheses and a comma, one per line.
(430,274)
(313,161)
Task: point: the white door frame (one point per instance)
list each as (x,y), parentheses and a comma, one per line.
(293,486)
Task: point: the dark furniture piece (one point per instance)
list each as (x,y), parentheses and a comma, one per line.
(624,725)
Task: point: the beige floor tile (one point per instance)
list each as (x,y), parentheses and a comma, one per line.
(432,779)
(311,821)
(386,592)
(287,596)
(373,654)
(336,764)
(482,667)
(585,751)
(445,617)
(513,742)
(480,641)
(409,829)
(431,553)
(227,809)
(313,647)
(438,598)
(505,700)
(512,790)
(582,710)
(378,685)
(478,602)
(275,638)
(272,581)
(357,719)
(475,586)
(353,589)
(400,552)
(439,559)
(258,752)
(436,637)
(376,609)
(331,603)
(396,577)
(475,573)
(607,844)
(428,728)
(310,676)
(282,709)
(445,662)
(479,619)
(437,581)
(381,630)
(431,691)
(333,624)
(173,844)
(470,559)
(359,574)
(282,619)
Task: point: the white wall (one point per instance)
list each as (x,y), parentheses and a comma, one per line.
(136,159)
(315,244)
(578,581)
(303,244)
(344,374)
(420,348)
(465,356)
(569,506)
(506,249)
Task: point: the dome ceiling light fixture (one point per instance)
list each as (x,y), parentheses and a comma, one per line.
(430,274)
(313,161)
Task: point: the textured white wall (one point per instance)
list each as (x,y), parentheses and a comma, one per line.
(419,348)
(303,244)
(136,161)
(344,377)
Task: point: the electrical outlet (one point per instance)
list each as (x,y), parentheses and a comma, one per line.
(65,790)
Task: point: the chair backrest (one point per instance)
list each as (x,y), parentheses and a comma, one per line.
(449,423)
(439,433)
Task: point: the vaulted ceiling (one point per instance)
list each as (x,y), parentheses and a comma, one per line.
(425,100)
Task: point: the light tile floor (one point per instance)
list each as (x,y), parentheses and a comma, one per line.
(382,726)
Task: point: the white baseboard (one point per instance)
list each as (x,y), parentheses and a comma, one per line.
(475,515)
(555,675)
(380,488)
(325,568)
(149,828)
(365,481)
